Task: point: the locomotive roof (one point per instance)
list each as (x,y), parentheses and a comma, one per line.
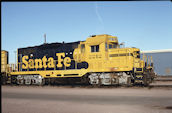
(51,44)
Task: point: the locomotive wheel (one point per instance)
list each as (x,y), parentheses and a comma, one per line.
(43,82)
(97,85)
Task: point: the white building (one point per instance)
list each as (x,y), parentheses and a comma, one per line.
(162,60)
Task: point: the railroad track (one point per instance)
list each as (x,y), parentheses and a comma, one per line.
(160,81)
(163,78)
(90,86)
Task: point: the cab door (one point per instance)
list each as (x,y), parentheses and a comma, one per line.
(95,57)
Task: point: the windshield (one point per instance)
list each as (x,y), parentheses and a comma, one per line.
(137,53)
(112,45)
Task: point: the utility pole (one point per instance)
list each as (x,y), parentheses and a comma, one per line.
(15,60)
(45,39)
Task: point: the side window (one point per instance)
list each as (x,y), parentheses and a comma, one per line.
(114,46)
(138,54)
(95,48)
(82,48)
(110,46)
(92,48)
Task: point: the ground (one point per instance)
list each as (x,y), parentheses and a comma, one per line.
(49,99)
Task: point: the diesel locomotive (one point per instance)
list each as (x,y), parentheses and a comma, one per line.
(99,60)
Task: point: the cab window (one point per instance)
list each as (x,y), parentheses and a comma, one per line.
(95,48)
(137,53)
(112,46)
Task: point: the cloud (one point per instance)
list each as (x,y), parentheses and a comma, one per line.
(98,15)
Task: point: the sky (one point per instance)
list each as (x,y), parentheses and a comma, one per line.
(146,25)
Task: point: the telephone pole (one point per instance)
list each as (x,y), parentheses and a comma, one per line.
(45,39)
(15,64)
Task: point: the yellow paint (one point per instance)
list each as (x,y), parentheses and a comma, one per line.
(25,63)
(67,61)
(60,55)
(38,63)
(44,62)
(44,59)
(51,62)
(31,64)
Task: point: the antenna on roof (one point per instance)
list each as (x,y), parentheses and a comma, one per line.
(45,39)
